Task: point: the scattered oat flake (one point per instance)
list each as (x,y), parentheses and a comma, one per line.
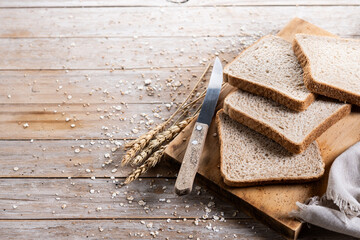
(147,81)
(101,229)
(72,125)
(114,170)
(14,207)
(16,168)
(25,125)
(63,206)
(77,150)
(135,130)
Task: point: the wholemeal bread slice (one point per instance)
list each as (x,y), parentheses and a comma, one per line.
(269,68)
(293,130)
(331,66)
(249,158)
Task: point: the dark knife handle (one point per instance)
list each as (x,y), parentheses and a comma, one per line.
(190,163)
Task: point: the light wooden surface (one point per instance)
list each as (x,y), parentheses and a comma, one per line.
(84,61)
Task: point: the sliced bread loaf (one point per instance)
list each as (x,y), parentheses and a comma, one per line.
(269,68)
(331,66)
(249,158)
(293,130)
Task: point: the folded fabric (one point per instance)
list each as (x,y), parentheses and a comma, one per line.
(339,209)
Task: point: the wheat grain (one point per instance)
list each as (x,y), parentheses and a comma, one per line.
(149,163)
(160,139)
(140,144)
(147,136)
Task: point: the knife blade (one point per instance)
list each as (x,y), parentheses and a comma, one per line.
(190,163)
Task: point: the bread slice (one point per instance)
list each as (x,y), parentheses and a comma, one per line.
(331,66)
(293,130)
(270,68)
(249,158)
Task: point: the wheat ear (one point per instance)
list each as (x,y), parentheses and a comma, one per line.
(140,143)
(149,163)
(160,139)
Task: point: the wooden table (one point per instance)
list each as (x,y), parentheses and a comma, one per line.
(72,83)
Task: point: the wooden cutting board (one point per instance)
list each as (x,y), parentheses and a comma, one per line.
(271,204)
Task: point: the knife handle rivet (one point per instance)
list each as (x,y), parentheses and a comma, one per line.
(194,142)
(198,127)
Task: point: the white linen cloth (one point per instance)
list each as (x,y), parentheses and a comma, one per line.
(339,209)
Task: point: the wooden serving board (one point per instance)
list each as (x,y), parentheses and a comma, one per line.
(271,204)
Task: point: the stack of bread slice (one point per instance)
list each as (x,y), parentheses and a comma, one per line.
(288,95)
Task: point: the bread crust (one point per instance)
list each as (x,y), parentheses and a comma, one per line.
(266,91)
(271,133)
(233,183)
(319,87)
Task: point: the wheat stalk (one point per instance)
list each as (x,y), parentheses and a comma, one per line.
(149,163)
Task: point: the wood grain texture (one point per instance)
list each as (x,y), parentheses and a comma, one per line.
(171,22)
(172,3)
(67,158)
(135,229)
(271,204)
(100,198)
(115,53)
(98,86)
(94,121)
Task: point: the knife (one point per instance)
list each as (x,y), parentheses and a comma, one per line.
(190,163)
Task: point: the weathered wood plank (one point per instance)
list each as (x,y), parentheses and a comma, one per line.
(135,229)
(67,158)
(163,3)
(73,198)
(173,229)
(155,22)
(115,53)
(93,121)
(97,86)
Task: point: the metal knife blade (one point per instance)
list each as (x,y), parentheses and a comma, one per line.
(190,164)
(212,94)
